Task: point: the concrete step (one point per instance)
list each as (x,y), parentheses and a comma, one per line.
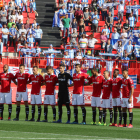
(10,54)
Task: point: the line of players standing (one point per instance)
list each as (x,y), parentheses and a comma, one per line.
(105,92)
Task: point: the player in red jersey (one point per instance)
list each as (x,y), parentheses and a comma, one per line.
(37,81)
(50,81)
(127,98)
(78,93)
(106,97)
(22,92)
(116,95)
(6,92)
(97,81)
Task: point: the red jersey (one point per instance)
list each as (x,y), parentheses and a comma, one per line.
(36,83)
(22,80)
(78,80)
(116,86)
(97,85)
(6,79)
(107,86)
(127,85)
(51,81)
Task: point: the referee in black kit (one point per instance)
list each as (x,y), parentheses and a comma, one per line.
(63,94)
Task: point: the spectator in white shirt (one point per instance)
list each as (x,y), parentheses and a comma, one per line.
(20,16)
(83,42)
(22,30)
(124,33)
(120,10)
(91,43)
(13,16)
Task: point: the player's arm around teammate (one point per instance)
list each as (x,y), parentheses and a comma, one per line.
(6,92)
(36,98)
(22,92)
(127,98)
(50,81)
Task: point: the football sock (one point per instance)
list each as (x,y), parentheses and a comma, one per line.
(76,114)
(94,115)
(68,111)
(54,113)
(124,117)
(17,111)
(33,112)
(131,117)
(100,115)
(115,117)
(104,116)
(84,114)
(45,112)
(10,110)
(60,112)
(111,116)
(1,110)
(120,117)
(27,111)
(39,112)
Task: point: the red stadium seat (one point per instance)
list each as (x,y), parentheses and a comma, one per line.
(24,15)
(101,23)
(97,35)
(32,15)
(87,28)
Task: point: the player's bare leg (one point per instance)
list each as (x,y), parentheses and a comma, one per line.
(84,114)
(10,111)
(130,117)
(125,117)
(39,113)
(75,114)
(33,113)
(1,111)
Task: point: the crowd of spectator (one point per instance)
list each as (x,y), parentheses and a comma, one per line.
(113,36)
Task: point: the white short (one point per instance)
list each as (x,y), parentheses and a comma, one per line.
(126,104)
(22,96)
(78,99)
(49,99)
(107,103)
(96,101)
(117,102)
(36,99)
(6,98)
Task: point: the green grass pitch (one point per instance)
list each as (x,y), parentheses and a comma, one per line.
(42,131)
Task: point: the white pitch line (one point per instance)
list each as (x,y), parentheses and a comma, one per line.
(41,138)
